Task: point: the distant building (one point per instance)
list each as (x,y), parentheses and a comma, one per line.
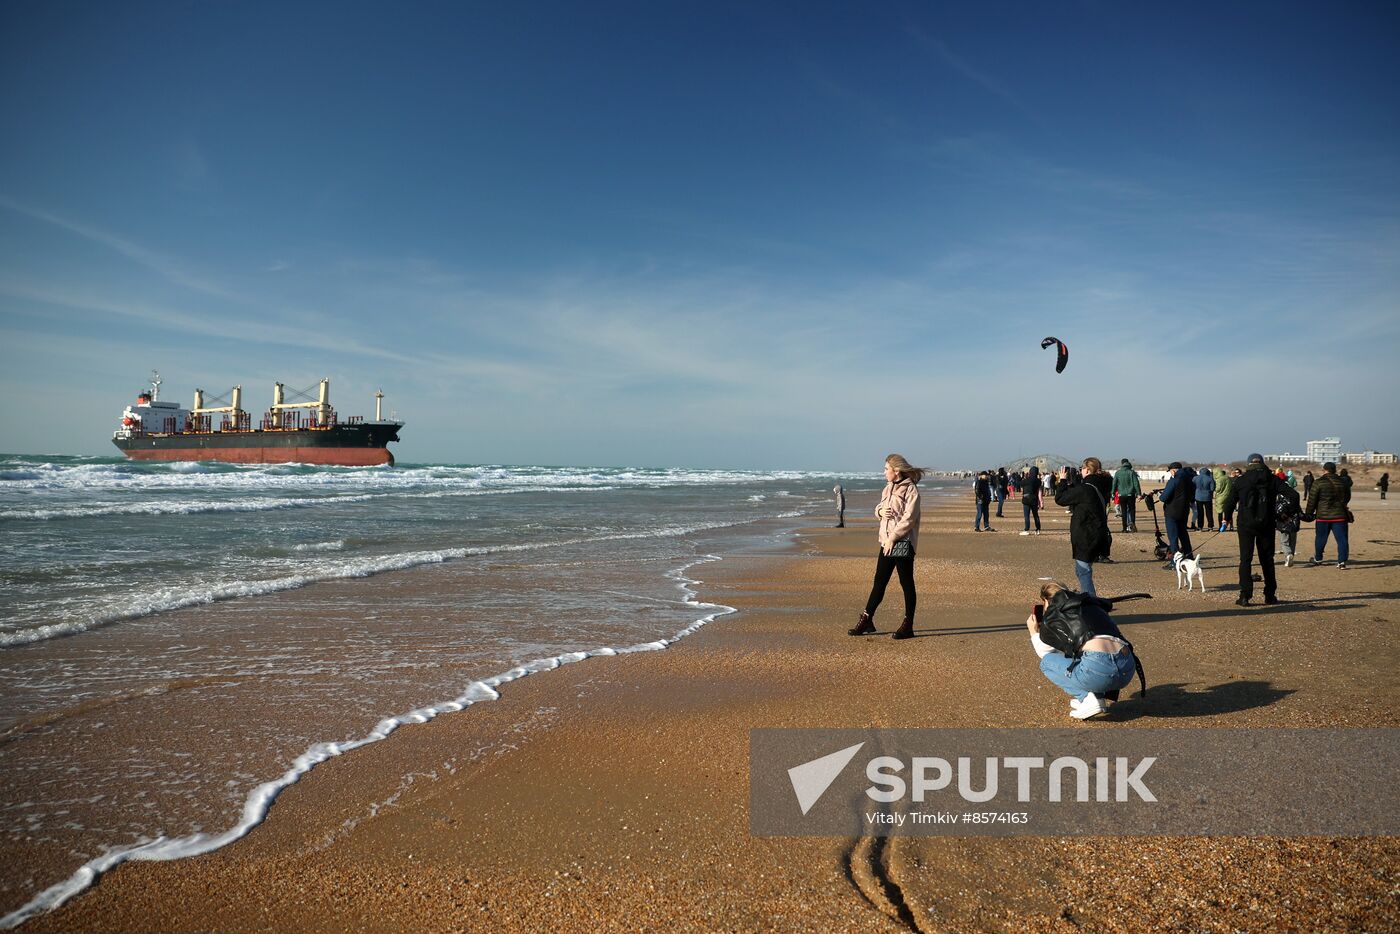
(1330,449)
(1327,449)
(1369,457)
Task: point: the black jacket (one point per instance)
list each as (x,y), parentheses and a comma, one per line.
(1257,481)
(1329,497)
(1103,482)
(1030,487)
(982,489)
(1089,536)
(1072,619)
(1179,494)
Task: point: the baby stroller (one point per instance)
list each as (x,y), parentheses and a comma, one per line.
(1162,549)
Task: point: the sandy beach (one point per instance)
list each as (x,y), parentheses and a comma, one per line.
(623,803)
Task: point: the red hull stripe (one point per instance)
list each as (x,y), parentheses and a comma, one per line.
(341,457)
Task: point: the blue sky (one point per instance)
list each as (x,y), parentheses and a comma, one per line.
(746,235)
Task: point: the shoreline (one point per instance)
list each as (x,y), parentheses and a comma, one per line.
(260,801)
(624,804)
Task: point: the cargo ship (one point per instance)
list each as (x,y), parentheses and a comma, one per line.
(300,432)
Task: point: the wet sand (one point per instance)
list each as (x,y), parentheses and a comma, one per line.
(612,794)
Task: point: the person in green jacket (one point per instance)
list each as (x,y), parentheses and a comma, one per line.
(1128,488)
(1222,493)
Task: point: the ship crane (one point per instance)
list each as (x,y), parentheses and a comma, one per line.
(234,408)
(322,405)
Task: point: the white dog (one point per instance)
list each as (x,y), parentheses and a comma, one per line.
(1187,568)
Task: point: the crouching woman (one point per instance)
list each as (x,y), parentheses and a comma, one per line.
(1081,650)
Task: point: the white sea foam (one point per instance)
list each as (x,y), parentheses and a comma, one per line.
(261,799)
(156,600)
(145,477)
(189,507)
(161,599)
(337,545)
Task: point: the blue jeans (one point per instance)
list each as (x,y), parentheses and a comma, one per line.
(1001,498)
(1338,529)
(1085,572)
(1177,537)
(982,518)
(1091,673)
(1027,510)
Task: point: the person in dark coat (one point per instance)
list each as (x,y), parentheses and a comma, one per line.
(1031,498)
(1327,503)
(982,494)
(1383,484)
(1253,500)
(1177,498)
(1001,480)
(1089,537)
(1128,487)
(1307,484)
(1205,497)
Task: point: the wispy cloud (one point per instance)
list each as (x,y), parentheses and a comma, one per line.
(977,76)
(166,266)
(190,321)
(737,353)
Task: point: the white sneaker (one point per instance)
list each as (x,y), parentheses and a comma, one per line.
(1090,706)
(1288,561)
(1025,533)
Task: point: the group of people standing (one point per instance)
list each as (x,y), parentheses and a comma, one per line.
(1081,650)
(1029,484)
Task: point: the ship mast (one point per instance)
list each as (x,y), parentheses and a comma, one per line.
(155,386)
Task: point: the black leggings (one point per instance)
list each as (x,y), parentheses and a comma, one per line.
(884,567)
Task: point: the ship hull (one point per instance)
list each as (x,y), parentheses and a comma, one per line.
(343,445)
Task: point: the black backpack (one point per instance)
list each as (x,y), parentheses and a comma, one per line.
(1259,506)
(1287,515)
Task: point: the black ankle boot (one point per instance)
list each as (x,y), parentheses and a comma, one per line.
(865,625)
(906,628)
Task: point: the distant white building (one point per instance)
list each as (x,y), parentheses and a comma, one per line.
(1324,450)
(1369,457)
(1286,458)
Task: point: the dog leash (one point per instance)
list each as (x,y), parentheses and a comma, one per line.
(1129,596)
(1197,551)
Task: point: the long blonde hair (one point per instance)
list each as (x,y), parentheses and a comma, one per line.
(1049,589)
(906,470)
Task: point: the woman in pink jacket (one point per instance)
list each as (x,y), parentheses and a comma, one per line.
(898,513)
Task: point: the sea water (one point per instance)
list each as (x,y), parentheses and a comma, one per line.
(180,641)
